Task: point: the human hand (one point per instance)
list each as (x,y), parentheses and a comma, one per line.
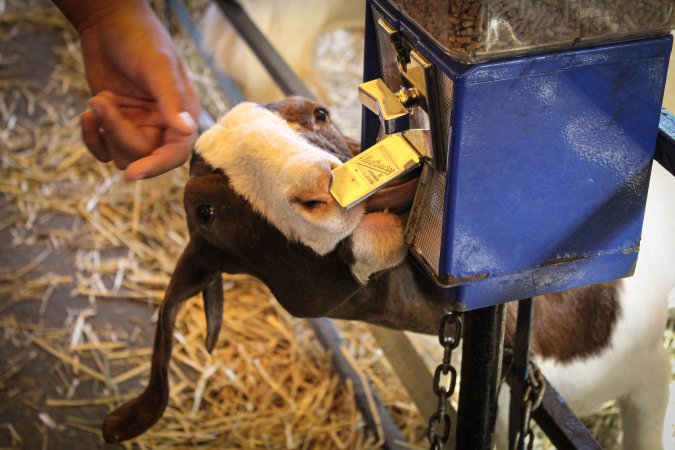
(144,104)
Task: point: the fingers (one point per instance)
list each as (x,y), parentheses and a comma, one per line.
(174,92)
(123,138)
(133,134)
(121,134)
(162,160)
(92,138)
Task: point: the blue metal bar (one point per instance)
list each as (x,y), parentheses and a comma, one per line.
(226,84)
(560,425)
(665,143)
(375,414)
(282,74)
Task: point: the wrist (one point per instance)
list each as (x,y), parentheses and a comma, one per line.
(85,14)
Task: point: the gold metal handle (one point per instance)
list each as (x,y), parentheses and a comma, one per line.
(377,97)
(372,169)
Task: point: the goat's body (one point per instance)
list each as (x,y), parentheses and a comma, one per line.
(634,367)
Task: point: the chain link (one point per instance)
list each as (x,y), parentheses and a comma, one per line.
(445,379)
(535,387)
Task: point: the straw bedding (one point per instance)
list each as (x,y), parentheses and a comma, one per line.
(85,258)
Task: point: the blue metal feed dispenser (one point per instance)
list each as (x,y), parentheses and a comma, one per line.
(541,120)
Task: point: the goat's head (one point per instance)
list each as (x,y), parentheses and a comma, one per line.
(258,202)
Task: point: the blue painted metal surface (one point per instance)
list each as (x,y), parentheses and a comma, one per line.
(549,158)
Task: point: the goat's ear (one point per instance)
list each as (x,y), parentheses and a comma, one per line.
(213,308)
(136,416)
(199,166)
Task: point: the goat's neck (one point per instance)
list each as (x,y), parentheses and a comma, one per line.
(306,285)
(401,298)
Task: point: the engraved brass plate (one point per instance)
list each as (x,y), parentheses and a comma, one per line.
(370,170)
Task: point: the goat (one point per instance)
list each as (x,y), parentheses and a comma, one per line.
(295,37)
(258,202)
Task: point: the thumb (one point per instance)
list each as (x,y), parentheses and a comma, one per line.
(173,92)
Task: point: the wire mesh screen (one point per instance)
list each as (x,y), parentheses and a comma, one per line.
(445,88)
(425,226)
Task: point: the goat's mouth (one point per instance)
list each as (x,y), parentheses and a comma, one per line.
(396,197)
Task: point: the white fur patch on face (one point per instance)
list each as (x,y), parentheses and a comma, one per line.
(283,177)
(377,244)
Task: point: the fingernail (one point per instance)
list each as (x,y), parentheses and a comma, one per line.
(187,120)
(97,108)
(137,177)
(87,124)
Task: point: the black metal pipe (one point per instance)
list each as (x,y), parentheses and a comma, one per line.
(374,413)
(282,74)
(519,372)
(370,123)
(226,84)
(482,348)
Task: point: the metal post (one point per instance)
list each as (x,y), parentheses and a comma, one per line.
(553,416)
(482,349)
(370,405)
(520,372)
(178,10)
(560,425)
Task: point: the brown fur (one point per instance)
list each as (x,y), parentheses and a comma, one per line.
(559,328)
(324,134)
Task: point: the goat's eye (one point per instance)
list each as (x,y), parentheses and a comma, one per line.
(205,214)
(321,115)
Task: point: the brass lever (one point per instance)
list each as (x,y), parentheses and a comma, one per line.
(376,96)
(373,168)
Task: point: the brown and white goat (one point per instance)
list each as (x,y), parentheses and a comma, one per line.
(257,203)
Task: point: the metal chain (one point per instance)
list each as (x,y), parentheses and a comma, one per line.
(535,387)
(445,379)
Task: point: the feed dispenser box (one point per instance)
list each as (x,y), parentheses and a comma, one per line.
(540,123)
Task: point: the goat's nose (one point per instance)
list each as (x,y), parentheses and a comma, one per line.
(320,176)
(325,179)
(311,187)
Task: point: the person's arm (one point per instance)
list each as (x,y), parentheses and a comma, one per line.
(80,13)
(144,104)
